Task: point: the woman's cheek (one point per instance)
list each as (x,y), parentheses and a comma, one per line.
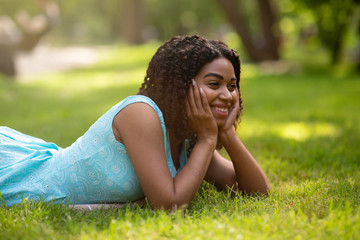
(234,97)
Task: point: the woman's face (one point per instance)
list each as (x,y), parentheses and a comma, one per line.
(218,81)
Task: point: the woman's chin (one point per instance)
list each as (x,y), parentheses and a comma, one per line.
(220,123)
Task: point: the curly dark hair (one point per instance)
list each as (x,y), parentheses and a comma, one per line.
(170,73)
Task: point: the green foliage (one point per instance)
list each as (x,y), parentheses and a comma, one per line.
(313,24)
(184,17)
(99,21)
(332,21)
(302,128)
(11,7)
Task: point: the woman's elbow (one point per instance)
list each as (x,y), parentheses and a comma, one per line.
(170,203)
(168,206)
(263,190)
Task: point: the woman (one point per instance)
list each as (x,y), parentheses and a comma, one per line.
(160,144)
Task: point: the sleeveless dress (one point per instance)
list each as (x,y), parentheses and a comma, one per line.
(94,169)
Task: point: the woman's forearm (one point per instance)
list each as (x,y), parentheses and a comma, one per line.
(188,180)
(250,176)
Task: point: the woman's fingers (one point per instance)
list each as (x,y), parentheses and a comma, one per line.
(197,98)
(191,99)
(205,103)
(200,118)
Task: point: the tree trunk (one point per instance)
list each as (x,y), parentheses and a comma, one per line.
(336,45)
(7,64)
(34,28)
(268,48)
(133,21)
(270,29)
(235,14)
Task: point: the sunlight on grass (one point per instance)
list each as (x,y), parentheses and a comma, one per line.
(299,131)
(302,131)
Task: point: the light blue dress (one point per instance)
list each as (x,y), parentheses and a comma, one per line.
(94,169)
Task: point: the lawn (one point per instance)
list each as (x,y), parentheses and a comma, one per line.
(302,127)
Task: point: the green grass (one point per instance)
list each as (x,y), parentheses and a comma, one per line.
(303,129)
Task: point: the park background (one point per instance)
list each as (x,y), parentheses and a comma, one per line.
(67,62)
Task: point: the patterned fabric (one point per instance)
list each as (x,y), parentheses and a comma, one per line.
(94,169)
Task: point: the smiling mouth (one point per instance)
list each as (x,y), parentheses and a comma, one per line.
(220,109)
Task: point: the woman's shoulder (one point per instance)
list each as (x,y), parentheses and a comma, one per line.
(139,118)
(138,109)
(137,99)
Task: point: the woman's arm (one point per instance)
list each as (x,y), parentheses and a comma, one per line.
(139,129)
(249,176)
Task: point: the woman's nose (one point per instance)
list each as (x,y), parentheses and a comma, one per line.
(225,94)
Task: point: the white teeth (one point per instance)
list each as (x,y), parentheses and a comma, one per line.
(225,110)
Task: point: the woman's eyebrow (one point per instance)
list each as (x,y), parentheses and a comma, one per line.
(214,75)
(218,76)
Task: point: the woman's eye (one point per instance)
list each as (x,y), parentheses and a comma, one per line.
(213,84)
(232,87)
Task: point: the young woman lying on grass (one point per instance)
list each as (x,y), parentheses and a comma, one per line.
(159,144)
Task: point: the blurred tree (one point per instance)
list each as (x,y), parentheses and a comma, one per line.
(261,45)
(11,7)
(25,33)
(110,11)
(34,28)
(332,21)
(92,23)
(177,17)
(133,21)
(124,18)
(7,65)
(103,20)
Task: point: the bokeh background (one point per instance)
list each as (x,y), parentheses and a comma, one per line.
(263,31)
(64,63)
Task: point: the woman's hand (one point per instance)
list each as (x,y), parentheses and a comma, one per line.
(200,117)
